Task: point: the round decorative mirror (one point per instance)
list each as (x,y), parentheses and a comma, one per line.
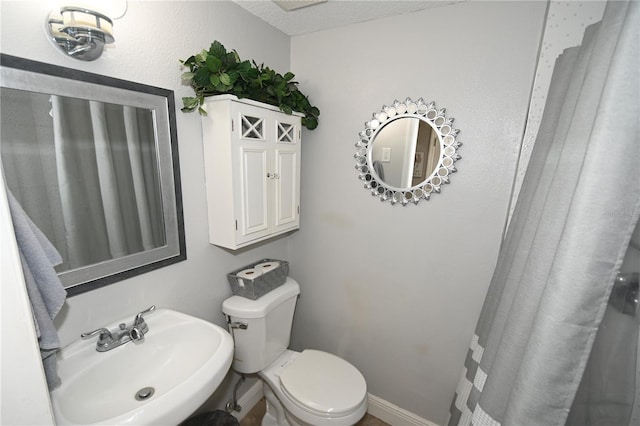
(407,151)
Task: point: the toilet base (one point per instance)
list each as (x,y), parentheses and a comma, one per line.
(275,414)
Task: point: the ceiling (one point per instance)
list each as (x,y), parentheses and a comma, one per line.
(333,13)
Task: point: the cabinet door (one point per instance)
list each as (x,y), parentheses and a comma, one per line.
(251,183)
(286,188)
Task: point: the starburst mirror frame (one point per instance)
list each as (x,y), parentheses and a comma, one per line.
(434,177)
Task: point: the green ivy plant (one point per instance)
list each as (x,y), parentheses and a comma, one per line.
(216,71)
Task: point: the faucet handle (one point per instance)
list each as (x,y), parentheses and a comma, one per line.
(138,319)
(102,331)
(105,336)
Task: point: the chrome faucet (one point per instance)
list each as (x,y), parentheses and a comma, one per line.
(135,332)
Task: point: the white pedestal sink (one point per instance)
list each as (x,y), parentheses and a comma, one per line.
(182,358)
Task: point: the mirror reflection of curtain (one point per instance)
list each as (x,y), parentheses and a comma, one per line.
(118,160)
(29,164)
(101,182)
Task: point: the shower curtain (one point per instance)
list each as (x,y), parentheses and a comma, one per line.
(579,204)
(101,159)
(88,179)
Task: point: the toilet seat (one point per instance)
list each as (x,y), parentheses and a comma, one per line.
(323,384)
(295,401)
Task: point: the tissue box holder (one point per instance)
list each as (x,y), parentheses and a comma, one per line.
(262,284)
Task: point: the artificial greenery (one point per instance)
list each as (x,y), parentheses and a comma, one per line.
(216,71)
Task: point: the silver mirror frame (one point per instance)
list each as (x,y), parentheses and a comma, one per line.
(23,74)
(449,145)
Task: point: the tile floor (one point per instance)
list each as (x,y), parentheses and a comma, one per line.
(254,417)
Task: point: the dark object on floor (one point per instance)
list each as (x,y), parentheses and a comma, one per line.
(212,418)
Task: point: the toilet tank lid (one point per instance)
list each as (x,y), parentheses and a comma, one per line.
(241,307)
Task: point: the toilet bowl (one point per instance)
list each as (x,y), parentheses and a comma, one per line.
(301,388)
(314,388)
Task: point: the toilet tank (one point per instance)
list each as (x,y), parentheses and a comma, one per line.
(268,319)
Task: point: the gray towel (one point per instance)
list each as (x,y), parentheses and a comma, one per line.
(46,292)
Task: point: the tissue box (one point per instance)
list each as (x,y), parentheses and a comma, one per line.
(252,282)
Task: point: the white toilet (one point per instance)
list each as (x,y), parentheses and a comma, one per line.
(301,388)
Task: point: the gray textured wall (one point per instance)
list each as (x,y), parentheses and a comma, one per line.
(397,290)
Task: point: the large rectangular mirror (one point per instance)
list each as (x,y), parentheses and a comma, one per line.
(93,161)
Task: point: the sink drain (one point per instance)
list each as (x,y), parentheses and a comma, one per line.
(145,393)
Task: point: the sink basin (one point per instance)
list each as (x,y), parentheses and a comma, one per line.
(182,358)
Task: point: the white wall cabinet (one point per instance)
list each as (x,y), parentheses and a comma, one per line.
(252,168)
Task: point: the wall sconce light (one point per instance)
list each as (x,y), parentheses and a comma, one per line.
(80,33)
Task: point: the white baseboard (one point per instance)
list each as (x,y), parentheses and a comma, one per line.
(394,415)
(248,400)
(377,407)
